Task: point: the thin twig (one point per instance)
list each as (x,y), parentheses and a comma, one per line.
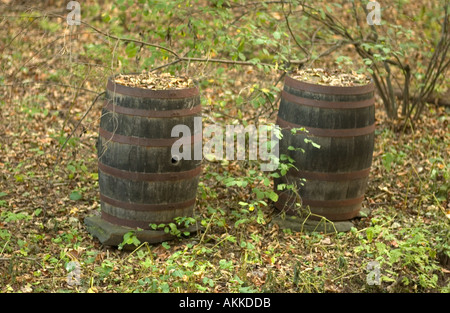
(79,122)
(286,18)
(165,65)
(224,61)
(436,67)
(109,35)
(177,56)
(132,40)
(48,84)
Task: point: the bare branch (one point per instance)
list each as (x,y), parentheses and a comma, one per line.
(286,18)
(48,84)
(79,122)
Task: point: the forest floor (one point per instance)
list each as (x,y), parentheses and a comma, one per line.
(46,192)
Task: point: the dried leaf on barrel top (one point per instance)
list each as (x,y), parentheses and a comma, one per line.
(331,78)
(161,81)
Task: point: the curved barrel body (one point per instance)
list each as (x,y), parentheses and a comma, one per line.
(140,181)
(342,121)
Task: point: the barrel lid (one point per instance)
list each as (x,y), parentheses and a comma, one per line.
(332,90)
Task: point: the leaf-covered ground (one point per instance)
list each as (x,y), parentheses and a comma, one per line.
(46,191)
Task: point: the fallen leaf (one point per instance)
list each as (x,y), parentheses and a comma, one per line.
(161,81)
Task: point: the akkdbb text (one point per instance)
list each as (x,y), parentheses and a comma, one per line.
(246,303)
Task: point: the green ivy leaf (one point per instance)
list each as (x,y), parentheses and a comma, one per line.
(131,50)
(75,196)
(273,196)
(165,245)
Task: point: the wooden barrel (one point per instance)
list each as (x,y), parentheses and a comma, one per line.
(342,121)
(140,182)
